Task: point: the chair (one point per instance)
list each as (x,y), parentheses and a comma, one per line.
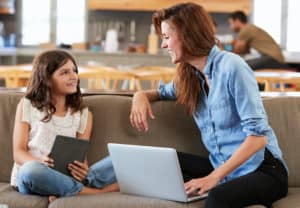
(154,74)
(47,45)
(7,73)
(108,75)
(104,75)
(16,75)
(79,46)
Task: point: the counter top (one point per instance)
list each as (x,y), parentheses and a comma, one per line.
(290,57)
(12,56)
(8,51)
(34,51)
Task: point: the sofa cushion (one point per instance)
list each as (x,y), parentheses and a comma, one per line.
(16,200)
(292,200)
(284,118)
(117,200)
(3,187)
(8,104)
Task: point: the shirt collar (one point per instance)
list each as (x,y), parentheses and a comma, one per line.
(212,54)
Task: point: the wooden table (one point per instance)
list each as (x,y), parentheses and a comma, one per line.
(99,77)
(18,75)
(270,78)
(134,76)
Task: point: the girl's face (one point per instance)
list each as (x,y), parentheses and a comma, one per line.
(65,79)
(171,42)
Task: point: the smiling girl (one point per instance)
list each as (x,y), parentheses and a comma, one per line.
(52,106)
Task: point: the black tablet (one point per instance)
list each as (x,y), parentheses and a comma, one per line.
(66,150)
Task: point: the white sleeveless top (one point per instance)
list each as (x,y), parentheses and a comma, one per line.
(42,134)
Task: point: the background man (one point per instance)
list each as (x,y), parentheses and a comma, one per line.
(252,37)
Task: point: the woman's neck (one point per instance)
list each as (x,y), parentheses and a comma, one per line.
(198,62)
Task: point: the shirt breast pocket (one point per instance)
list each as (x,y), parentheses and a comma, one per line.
(224,114)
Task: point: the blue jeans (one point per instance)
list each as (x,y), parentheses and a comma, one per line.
(36,178)
(101,174)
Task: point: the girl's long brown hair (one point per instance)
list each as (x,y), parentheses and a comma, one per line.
(195,29)
(40,85)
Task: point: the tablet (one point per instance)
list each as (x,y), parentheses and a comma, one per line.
(66,150)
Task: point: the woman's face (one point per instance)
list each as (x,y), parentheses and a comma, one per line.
(65,79)
(171,42)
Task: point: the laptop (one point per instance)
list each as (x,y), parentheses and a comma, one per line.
(149,171)
(66,150)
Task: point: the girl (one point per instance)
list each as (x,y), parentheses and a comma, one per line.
(52,106)
(218,88)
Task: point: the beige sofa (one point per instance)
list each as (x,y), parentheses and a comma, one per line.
(170,128)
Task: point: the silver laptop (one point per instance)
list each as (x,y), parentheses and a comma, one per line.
(149,171)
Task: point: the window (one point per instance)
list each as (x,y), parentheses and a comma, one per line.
(70,21)
(267,15)
(37,19)
(35,22)
(293,34)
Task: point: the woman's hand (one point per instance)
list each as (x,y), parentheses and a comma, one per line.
(48,161)
(78,170)
(139,110)
(201,185)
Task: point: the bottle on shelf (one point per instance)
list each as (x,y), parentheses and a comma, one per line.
(152,41)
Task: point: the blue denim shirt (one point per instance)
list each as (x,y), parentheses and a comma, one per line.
(231,111)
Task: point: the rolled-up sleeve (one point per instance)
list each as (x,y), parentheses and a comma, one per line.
(167,91)
(244,90)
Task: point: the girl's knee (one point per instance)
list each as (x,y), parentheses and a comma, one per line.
(31,170)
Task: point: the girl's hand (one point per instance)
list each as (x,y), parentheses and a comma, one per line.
(78,170)
(139,110)
(201,185)
(48,161)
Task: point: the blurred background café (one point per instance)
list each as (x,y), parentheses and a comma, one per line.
(116,47)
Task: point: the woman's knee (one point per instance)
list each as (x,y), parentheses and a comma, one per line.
(216,198)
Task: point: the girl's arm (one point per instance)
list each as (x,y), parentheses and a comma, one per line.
(78,169)
(21,137)
(88,130)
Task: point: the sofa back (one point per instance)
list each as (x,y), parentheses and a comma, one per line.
(171,128)
(110,124)
(284,118)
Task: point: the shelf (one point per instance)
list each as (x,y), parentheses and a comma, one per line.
(152,5)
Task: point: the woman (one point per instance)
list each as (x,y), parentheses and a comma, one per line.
(218,88)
